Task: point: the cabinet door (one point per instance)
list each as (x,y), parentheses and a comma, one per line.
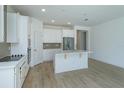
(12,28)
(7,78)
(17,77)
(24,70)
(68,33)
(21,71)
(1,23)
(85,60)
(52,36)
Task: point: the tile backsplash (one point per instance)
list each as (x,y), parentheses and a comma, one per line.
(4,50)
(51,45)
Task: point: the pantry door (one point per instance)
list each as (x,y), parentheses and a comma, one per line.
(36,43)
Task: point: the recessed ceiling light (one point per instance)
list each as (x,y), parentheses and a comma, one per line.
(43,10)
(52,20)
(68,23)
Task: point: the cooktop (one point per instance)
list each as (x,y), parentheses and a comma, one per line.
(11,58)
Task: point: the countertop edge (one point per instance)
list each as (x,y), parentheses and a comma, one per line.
(10,65)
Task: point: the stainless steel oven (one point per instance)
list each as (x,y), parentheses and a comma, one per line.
(29,51)
(29,55)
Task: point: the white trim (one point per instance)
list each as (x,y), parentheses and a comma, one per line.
(82,28)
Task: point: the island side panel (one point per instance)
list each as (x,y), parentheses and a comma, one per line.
(70,61)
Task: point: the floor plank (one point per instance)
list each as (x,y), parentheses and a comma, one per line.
(98,75)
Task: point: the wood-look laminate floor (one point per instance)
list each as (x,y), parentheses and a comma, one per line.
(98,75)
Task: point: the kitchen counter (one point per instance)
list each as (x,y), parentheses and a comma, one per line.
(10,64)
(13,71)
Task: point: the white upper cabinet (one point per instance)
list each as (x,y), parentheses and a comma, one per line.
(12,27)
(52,36)
(68,33)
(1,23)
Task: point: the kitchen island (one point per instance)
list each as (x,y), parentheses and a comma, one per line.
(70,60)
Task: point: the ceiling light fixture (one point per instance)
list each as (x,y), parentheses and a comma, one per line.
(68,23)
(43,10)
(52,21)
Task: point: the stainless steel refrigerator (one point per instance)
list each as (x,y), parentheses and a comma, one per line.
(68,43)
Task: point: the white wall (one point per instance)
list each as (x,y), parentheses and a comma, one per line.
(107,42)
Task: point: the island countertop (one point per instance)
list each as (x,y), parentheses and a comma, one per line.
(74,51)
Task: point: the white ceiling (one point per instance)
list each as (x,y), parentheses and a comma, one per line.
(75,14)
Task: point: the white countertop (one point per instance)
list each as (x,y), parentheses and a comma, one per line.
(73,51)
(10,64)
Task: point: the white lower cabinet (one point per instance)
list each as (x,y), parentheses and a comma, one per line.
(21,71)
(17,77)
(7,78)
(13,77)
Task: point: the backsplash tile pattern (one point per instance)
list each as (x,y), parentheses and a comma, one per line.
(4,50)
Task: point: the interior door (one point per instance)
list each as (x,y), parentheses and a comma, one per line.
(82,40)
(36,48)
(36,43)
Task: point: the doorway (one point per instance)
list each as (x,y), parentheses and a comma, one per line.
(82,39)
